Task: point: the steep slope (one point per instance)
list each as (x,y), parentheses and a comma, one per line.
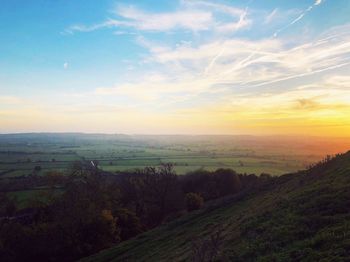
(300,217)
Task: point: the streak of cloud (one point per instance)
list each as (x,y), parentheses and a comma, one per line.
(301,16)
(301,75)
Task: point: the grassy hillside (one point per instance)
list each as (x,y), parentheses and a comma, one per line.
(299,217)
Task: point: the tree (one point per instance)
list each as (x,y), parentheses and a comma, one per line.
(7,206)
(193,201)
(84,218)
(162,193)
(128,222)
(77,169)
(227,181)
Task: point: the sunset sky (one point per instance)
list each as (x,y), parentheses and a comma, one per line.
(175,67)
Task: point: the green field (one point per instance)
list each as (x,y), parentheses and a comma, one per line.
(25,197)
(21,155)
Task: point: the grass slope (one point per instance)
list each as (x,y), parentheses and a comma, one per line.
(300,217)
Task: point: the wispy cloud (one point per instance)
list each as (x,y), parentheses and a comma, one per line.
(219,65)
(222,71)
(268,60)
(193,16)
(184,19)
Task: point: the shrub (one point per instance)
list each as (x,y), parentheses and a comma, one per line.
(193,201)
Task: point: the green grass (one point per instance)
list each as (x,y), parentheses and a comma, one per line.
(301,217)
(24,198)
(187,153)
(190,163)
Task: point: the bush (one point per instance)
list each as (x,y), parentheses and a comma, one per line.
(193,201)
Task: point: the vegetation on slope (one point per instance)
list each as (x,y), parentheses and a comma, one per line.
(90,210)
(296,217)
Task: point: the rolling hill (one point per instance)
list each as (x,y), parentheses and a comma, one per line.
(303,216)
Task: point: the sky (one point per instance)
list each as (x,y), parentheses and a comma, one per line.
(175,67)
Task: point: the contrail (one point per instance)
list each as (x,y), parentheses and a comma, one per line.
(241,63)
(211,64)
(245,60)
(316,3)
(301,75)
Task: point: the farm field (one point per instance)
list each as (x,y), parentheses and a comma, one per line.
(40,154)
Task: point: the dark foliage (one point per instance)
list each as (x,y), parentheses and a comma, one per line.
(193,201)
(211,185)
(296,217)
(97,210)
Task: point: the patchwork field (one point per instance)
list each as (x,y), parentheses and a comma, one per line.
(26,154)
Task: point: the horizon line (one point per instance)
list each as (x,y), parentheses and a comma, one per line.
(167,134)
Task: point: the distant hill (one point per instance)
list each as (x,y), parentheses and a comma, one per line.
(299,217)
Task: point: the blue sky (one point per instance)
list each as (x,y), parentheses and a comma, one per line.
(184,66)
